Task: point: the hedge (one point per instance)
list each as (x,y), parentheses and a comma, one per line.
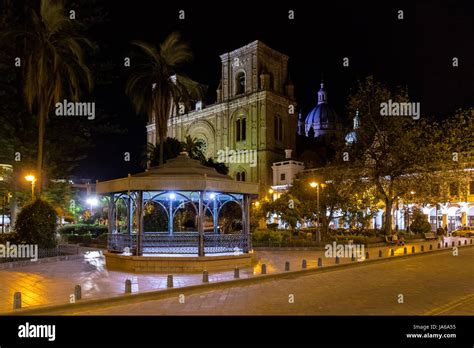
(83,229)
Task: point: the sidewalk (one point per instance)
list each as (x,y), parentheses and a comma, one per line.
(53,283)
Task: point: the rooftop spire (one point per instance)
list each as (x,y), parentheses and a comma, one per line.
(322,97)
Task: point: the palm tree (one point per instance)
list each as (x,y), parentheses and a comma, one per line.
(55,67)
(159,83)
(194,148)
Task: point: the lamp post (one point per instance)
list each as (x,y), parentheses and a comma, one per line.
(314,184)
(32,179)
(412,193)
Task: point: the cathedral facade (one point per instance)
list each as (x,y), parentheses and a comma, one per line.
(254,112)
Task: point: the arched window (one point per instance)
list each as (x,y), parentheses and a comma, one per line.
(241,129)
(240,83)
(240,176)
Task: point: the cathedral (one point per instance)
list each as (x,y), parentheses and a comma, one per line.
(254,113)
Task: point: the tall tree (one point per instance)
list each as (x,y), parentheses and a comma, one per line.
(55,66)
(159,82)
(396,154)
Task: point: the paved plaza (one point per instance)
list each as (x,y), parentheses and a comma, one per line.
(53,283)
(432,284)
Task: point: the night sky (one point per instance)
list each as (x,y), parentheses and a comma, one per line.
(416,51)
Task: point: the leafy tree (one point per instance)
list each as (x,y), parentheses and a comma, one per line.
(288,207)
(36,224)
(394,154)
(419,224)
(159,83)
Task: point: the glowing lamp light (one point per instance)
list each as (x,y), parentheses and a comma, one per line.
(172,196)
(30,178)
(313,184)
(92,201)
(212,196)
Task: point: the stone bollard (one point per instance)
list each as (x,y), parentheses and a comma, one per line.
(431,246)
(367,255)
(128,286)
(77,292)
(380,253)
(392,252)
(287,265)
(337,260)
(422,248)
(412,249)
(17,300)
(303,264)
(264,268)
(405,250)
(236,272)
(169,281)
(205,277)
(320,262)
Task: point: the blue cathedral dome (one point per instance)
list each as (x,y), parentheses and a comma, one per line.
(322,119)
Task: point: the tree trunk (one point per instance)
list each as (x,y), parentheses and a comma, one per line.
(161,151)
(388,216)
(39,161)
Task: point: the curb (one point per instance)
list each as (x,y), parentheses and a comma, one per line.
(165,293)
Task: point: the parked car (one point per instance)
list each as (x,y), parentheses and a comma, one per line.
(466,231)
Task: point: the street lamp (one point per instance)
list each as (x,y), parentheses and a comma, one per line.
(32,179)
(92,201)
(314,184)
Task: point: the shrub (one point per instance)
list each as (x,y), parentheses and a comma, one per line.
(81,229)
(420,224)
(36,224)
(9,237)
(265,236)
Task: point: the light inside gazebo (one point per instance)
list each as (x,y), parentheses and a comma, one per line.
(172,196)
(212,195)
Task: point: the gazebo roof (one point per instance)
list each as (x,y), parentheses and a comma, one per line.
(180,174)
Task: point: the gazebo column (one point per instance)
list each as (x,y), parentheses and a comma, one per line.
(246,224)
(129,214)
(214,216)
(140,223)
(110,214)
(201,225)
(170,217)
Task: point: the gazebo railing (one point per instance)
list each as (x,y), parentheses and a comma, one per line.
(179,243)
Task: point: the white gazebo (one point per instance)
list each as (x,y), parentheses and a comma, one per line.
(180,183)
